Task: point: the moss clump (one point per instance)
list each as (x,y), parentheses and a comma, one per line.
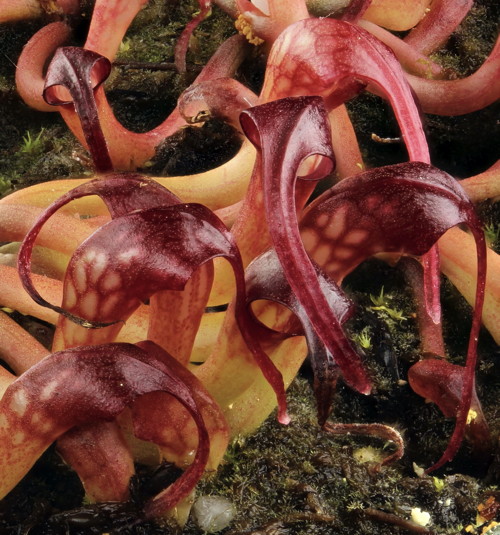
(142,97)
(471,43)
(52,153)
(298,480)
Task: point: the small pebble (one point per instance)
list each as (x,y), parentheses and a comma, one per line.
(213,513)
(422,518)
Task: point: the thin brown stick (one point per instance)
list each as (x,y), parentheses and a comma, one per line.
(151,66)
(389,518)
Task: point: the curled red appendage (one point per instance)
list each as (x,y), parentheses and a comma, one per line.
(330,62)
(109,23)
(410,58)
(439,23)
(134,256)
(73,68)
(266,280)
(443,383)
(80,386)
(114,270)
(161,419)
(404,208)
(382,431)
(121,194)
(335,59)
(431,334)
(299,126)
(127,149)
(194,398)
(470,364)
(30,75)
(183,42)
(458,97)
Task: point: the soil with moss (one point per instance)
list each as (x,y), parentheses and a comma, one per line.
(295,479)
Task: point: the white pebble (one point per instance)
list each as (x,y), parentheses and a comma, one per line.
(422,518)
(213,513)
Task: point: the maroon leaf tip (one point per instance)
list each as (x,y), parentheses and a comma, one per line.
(74,68)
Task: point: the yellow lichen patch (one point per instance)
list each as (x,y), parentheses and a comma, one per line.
(245,28)
(490,527)
(471,416)
(368,454)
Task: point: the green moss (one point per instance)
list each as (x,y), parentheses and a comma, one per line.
(55,154)
(300,480)
(469,46)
